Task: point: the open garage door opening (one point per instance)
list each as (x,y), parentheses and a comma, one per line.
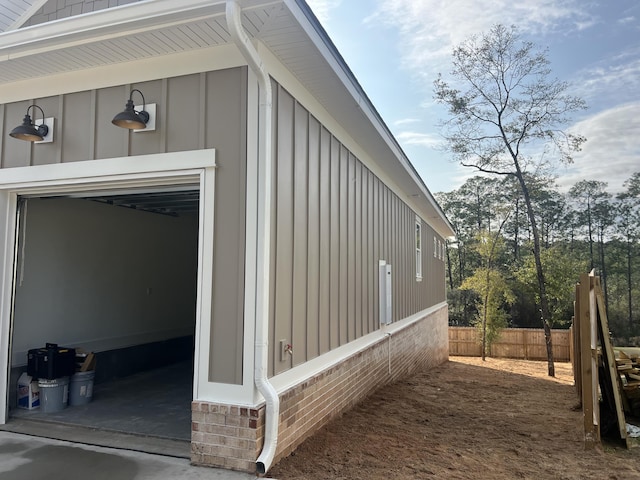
(115,273)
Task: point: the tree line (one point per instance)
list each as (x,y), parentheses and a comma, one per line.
(507,119)
(491,274)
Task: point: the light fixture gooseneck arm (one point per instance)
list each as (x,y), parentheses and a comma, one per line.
(143,114)
(41,111)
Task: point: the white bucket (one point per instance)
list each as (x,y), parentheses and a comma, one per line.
(54,394)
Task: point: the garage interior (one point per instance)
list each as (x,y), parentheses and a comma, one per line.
(114,273)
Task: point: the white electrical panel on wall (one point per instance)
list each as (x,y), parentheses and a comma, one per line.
(384,289)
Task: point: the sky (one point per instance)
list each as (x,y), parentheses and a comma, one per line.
(396,48)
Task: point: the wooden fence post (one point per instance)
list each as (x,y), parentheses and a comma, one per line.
(577,335)
(571,342)
(588,367)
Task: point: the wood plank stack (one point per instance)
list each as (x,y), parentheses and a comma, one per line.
(628,366)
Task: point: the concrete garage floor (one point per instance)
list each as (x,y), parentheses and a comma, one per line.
(148,412)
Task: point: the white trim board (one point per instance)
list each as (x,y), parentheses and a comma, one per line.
(138,71)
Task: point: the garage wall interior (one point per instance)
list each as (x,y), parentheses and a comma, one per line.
(102,277)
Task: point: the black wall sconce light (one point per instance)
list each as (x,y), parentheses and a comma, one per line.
(133,119)
(30,132)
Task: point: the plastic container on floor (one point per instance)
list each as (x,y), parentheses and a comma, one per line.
(51,362)
(54,394)
(81,389)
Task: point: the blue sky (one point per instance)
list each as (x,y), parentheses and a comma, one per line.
(396,48)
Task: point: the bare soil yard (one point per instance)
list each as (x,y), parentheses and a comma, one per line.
(467,419)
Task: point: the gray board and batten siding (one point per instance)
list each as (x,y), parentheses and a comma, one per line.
(334,220)
(206,110)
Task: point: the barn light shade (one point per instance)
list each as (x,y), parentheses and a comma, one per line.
(28,131)
(130,118)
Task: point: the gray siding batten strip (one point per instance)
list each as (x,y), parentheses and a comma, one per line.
(284,264)
(324,258)
(313,240)
(93,115)
(202,114)
(343,211)
(357,226)
(3,133)
(351,248)
(273,361)
(335,238)
(60,145)
(300,234)
(162,112)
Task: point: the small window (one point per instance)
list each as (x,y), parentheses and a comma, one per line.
(418,249)
(444,251)
(435,247)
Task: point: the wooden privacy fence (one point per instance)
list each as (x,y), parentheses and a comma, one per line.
(525,343)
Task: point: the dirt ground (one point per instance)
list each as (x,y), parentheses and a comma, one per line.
(467,419)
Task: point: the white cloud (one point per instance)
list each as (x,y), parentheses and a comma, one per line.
(611,153)
(417,138)
(606,81)
(430,28)
(406,121)
(322,8)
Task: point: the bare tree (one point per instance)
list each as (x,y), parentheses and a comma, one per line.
(507,118)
